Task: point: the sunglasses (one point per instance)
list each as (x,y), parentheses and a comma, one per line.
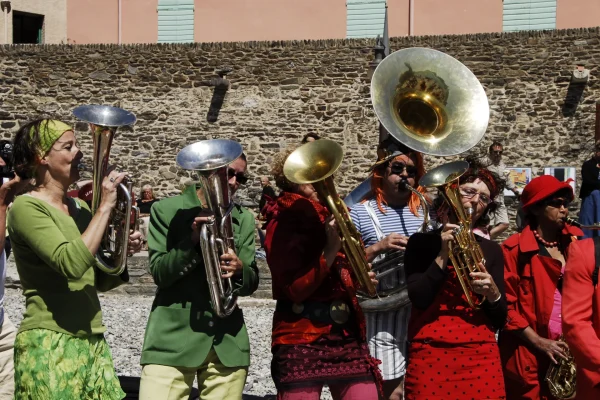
(239,176)
(398,168)
(558,203)
(499,152)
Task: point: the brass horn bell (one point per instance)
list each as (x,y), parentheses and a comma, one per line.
(429,101)
(315,163)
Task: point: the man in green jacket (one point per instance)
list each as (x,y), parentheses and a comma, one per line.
(183,336)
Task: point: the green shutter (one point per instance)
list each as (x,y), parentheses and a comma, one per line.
(364,18)
(521,15)
(175,21)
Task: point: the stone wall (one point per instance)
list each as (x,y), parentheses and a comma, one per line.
(282,90)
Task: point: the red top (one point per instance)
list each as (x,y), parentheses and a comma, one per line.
(530,281)
(440,312)
(581,317)
(294,246)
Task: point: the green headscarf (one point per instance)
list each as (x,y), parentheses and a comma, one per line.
(50,130)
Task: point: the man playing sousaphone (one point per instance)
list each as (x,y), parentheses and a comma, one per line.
(184,337)
(385,221)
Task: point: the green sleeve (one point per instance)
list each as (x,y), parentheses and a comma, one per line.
(168,265)
(31,223)
(246,251)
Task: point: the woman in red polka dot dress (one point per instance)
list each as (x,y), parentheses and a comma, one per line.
(453,352)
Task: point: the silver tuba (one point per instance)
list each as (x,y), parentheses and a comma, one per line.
(211,158)
(103,122)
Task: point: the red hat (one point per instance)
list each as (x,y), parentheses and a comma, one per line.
(541,188)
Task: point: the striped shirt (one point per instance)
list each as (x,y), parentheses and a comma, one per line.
(386,331)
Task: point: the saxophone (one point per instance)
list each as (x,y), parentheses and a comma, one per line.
(561,377)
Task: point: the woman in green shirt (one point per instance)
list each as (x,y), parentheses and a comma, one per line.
(60,351)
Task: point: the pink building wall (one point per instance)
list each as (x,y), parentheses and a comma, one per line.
(94,21)
(435,17)
(245,20)
(139,21)
(577,14)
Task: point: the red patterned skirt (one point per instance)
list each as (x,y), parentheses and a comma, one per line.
(454,372)
(328,359)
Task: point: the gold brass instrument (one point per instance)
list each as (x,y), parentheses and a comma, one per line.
(432,103)
(465,252)
(561,377)
(315,163)
(103,122)
(210,159)
(429,101)
(574,222)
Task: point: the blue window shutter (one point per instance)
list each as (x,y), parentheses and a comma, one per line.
(175,21)
(521,15)
(364,18)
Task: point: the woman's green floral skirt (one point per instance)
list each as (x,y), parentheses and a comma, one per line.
(52,365)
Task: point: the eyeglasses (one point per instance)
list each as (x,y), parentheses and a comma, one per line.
(558,203)
(499,152)
(398,168)
(469,193)
(239,176)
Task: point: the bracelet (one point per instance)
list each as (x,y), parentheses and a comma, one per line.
(497,299)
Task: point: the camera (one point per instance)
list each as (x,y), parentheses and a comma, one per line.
(6,153)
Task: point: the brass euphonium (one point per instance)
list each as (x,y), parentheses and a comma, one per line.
(315,163)
(210,159)
(465,252)
(103,122)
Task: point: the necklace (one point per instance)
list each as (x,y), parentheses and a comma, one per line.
(544,242)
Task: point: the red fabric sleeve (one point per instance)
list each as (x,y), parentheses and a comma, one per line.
(515,321)
(297,266)
(577,309)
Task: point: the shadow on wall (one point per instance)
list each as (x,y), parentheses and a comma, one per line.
(573,98)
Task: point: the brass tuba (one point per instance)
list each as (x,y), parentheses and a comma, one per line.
(561,377)
(315,163)
(432,103)
(210,159)
(103,122)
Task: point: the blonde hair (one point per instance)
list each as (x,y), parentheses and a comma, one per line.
(277,169)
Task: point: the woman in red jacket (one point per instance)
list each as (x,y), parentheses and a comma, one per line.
(452,347)
(581,316)
(534,264)
(318,328)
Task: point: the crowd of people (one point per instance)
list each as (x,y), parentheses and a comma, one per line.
(536,297)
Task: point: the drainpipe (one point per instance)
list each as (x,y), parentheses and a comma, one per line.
(5,5)
(119,21)
(597,130)
(411,18)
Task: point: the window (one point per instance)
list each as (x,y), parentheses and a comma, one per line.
(175,21)
(364,18)
(521,15)
(27,28)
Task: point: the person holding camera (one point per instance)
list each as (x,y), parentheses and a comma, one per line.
(7,330)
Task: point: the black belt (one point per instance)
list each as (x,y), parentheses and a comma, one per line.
(335,312)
